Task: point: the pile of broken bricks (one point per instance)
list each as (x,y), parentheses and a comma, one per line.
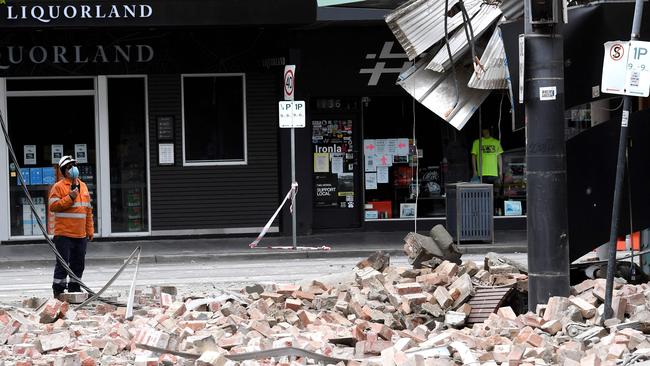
(378,315)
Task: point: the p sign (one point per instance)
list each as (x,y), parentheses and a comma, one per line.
(292,114)
(637,78)
(289,86)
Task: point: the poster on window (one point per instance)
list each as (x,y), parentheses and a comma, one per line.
(81,153)
(384,160)
(380,147)
(337,163)
(346,184)
(321,162)
(29,155)
(402,147)
(382,174)
(369,147)
(325,193)
(371,163)
(57,153)
(371,181)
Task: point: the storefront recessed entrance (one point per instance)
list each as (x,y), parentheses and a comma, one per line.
(100,121)
(47,120)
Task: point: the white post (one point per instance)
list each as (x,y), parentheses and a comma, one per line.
(103,203)
(293,181)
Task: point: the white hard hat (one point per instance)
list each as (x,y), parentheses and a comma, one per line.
(65,160)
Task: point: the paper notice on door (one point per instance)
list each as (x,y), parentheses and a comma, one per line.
(81,153)
(382,174)
(391,146)
(371,163)
(337,163)
(57,153)
(166,154)
(369,147)
(402,147)
(371,180)
(29,154)
(321,162)
(380,147)
(384,160)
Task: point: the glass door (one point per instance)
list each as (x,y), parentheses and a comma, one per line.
(128,154)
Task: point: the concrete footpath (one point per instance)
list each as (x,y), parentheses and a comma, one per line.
(188,250)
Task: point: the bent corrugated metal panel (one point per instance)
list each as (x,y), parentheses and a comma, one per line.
(459,44)
(419,24)
(493,73)
(437,91)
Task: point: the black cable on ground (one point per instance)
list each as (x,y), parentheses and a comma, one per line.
(14,159)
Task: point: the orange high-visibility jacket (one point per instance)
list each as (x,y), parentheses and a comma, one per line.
(73,219)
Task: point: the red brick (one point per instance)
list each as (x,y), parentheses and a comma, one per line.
(292,304)
(408,288)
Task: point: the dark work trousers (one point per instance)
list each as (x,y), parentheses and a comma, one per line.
(74,252)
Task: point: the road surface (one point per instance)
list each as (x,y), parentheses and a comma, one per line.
(17,284)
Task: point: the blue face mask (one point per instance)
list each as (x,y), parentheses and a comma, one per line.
(73,173)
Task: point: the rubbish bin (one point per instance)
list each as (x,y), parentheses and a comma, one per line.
(470,212)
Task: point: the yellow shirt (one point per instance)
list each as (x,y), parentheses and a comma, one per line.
(491,151)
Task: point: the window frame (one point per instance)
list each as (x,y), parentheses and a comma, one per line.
(226,162)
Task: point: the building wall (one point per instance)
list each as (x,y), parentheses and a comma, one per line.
(208,198)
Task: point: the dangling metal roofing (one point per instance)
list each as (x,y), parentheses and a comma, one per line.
(458,41)
(493,72)
(437,91)
(419,24)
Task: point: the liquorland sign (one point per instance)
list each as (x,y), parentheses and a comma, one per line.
(14,56)
(134,13)
(52,13)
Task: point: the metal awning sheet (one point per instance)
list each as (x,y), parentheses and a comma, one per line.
(419,24)
(493,72)
(459,44)
(437,91)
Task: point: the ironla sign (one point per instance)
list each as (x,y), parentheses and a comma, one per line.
(51,13)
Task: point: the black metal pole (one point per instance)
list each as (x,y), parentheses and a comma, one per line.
(548,242)
(620,175)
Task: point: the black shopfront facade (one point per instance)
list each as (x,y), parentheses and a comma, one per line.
(347,73)
(170,107)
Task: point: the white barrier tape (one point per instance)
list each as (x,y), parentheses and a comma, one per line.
(289,196)
(324,248)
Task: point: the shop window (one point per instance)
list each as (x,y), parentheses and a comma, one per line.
(214,119)
(402,172)
(42,129)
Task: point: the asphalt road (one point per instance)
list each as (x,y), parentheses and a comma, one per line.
(17,284)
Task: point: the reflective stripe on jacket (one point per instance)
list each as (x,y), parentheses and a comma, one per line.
(73,219)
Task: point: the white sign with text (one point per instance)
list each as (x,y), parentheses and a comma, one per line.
(292,114)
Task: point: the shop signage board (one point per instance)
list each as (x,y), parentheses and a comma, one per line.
(626,68)
(292,114)
(165,128)
(101,13)
(289,82)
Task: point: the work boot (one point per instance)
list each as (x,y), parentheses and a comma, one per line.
(57,294)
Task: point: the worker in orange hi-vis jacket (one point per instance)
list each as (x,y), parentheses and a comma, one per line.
(73,226)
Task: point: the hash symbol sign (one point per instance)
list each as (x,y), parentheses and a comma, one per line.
(616,52)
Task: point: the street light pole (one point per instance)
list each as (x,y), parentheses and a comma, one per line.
(620,175)
(547,218)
